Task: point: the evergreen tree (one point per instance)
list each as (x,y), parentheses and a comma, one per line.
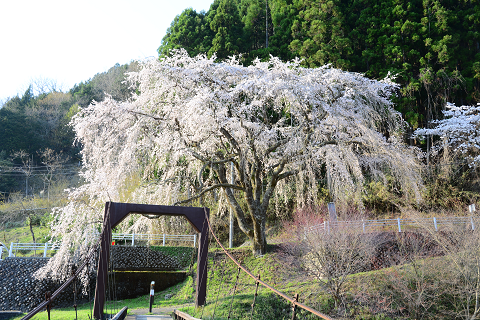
(227,27)
(320,33)
(190,31)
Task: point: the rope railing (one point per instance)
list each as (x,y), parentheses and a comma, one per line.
(49,297)
(294,301)
(42,305)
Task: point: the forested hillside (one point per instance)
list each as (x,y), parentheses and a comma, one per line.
(37,122)
(432,46)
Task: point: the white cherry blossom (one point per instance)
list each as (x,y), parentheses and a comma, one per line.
(276,121)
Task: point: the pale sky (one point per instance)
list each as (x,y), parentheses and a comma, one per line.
(71,41)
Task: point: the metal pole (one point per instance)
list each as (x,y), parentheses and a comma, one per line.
(266,23)
(399,226)
(435,223)
(152,294)
(230,238)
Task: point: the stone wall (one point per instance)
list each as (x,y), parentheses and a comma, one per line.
(19,290)
(135,258)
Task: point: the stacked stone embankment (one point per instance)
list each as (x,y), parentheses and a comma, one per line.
(19,290)
(142,258)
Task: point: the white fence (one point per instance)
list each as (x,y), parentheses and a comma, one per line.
(2,248)
(398,224)
(14,247)
(132,237)
(127,237)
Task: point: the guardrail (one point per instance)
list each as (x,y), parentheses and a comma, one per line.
(127,237)
(396,224)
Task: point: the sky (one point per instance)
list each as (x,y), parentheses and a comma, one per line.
(68,42)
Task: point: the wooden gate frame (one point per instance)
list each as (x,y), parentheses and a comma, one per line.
(115,212)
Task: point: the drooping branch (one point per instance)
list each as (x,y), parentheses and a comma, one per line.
(146,115)
(203,192)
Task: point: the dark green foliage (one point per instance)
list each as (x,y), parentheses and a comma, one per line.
(39,119)
(226,26)
(7,182)
(432,46)
(188,30)
(321,34)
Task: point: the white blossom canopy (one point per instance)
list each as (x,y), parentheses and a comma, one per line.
(192,116)
(459,130)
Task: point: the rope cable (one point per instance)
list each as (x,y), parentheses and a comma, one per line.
(233,295)
(211,279)
(89,289)
(283,295)
(63,286)
(220,286)
(254,296)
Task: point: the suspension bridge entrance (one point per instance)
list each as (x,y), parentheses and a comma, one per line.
(116,212)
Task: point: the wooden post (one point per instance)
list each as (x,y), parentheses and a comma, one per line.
(294,306)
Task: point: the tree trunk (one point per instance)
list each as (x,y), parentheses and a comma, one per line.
(31,228)
(259,239)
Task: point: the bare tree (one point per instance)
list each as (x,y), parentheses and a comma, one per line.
(53,162)
(27,166)
(413,286)
(462,266)
(335,254)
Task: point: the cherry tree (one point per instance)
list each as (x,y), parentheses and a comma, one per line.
(459,130)
(191,118)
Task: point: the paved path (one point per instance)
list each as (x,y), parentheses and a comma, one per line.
(157,313)
(148,317)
